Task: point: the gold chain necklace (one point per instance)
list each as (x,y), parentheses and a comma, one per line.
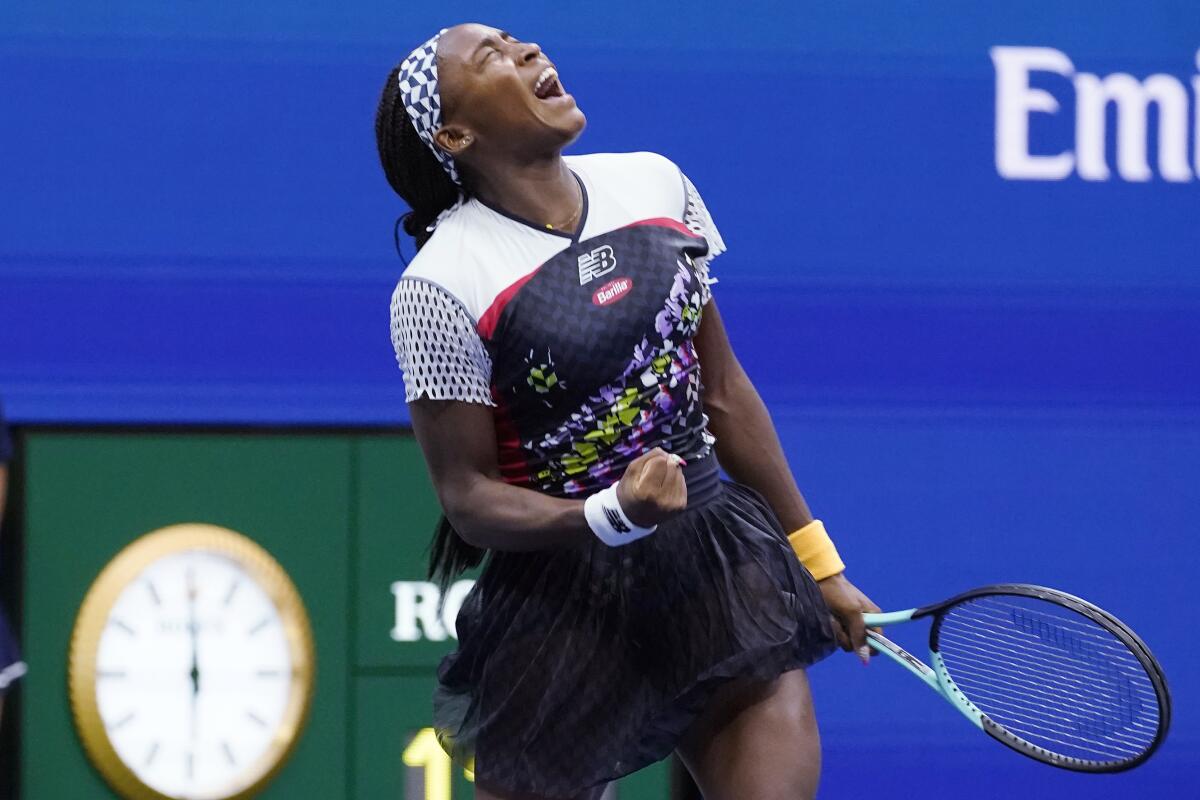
(571,220)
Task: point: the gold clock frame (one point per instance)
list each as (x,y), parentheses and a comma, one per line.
(93,616)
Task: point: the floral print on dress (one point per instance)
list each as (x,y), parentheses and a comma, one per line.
(656,398)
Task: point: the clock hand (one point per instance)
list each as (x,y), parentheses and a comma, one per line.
(193,633)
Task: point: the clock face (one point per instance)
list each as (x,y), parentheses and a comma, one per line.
(188,677)
(192,674)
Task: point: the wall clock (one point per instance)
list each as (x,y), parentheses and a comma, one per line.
(191,666)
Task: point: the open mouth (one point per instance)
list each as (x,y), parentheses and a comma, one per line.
(547,85)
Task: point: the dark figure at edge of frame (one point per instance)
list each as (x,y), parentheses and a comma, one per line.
(551,330)
(11,665)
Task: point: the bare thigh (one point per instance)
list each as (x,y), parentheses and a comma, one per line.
(756,740)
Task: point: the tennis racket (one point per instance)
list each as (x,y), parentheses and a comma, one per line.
(1048,674)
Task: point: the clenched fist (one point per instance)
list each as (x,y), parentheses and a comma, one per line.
(652,488)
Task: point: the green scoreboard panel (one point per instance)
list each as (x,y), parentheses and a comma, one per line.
(348,516)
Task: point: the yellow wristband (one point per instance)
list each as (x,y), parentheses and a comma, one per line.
(815,550)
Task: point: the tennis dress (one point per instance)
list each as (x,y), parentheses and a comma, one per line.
(11,665)
(576,666)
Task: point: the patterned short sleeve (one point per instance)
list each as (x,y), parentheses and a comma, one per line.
(698,220)
(437,345)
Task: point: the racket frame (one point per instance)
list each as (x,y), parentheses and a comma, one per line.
(938,678)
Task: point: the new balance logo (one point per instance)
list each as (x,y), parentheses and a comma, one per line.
(600,261)
(614,519)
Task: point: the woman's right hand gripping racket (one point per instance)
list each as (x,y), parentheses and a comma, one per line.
(1048,674)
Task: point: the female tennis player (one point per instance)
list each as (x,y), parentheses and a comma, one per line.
(552,329)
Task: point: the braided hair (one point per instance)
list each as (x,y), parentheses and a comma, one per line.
(412,171)
(415,174)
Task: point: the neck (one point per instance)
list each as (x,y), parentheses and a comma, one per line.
(541,191)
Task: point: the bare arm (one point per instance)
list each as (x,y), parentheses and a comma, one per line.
(749,450)
(459,443)
(747,444)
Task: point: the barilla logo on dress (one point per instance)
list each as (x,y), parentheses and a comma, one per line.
(612,291)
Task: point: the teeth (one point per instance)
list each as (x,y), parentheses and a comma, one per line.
(547,74)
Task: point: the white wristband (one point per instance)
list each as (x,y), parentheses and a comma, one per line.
(607,519)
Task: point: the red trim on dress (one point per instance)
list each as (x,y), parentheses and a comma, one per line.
(510,456)
(491,317)
(664,222)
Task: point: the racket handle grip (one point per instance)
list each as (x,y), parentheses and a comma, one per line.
(888,618)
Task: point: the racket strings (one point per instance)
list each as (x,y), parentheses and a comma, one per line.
(1033,681)
(1034,686)
(1065,634)
(1121,741)
(1051,676)
(1037,724)
(1110,691)
(985,692)
(1085,679)
(1115,663)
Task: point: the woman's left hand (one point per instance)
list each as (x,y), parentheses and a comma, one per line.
(847,605)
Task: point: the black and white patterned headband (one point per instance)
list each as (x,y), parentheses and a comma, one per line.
(419,92)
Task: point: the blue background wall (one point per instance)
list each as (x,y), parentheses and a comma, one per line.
(976,379)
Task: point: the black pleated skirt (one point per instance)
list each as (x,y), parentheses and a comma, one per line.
(575,667)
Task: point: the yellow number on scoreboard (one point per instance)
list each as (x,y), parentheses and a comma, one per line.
(425,753)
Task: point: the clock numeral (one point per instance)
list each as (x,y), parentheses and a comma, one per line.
(110,673)
(233,587)
(264,622)
(424,753)
(153,593)
(269,673)
(256,718)
(228,753)
(150,755)
(122,625)
(116,726)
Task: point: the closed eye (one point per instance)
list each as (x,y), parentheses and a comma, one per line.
(491,50)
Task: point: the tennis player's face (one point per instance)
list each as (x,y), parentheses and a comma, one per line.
(505,92)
